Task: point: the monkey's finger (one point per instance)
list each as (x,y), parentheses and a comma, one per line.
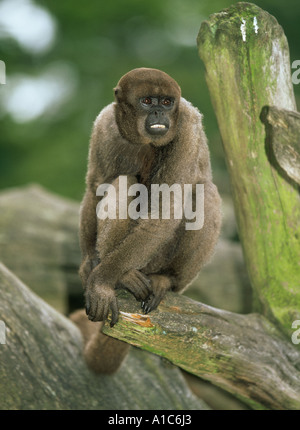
(93,310)
(146,304)
(152,303)
(155,302)
(137,288)
(114,312)
(140,291)
(99,315)
(143,285)
(137,283)
(105,310)
(130,287)
(87,305)
(146,281)
(147,308)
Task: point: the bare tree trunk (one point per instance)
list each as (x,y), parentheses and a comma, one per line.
(247,64)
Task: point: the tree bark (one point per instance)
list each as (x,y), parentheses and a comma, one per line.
(283,138)
(247,64)
(243,354)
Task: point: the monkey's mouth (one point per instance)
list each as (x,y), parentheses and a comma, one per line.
(162,126)
(157,129)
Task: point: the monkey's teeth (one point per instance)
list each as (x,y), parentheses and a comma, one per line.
(158,126)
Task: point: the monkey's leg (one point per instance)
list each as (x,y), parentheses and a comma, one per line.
(196,247)
(193,250)
(102,353)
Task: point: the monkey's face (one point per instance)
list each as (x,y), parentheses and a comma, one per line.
(147,107)
(156,117)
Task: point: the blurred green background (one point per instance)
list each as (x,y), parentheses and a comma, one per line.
(64,57)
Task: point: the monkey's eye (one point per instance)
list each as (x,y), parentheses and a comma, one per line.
(147,101)
(167,102)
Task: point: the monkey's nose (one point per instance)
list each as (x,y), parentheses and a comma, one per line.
(159,113)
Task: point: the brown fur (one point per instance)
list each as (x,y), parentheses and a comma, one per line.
(102,353)
(148,257)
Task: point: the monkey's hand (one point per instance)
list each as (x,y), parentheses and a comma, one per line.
(160,285)
(99,300)
(86,267)
(137,283)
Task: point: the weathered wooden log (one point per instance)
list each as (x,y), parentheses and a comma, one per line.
(246,57)
(283,138)
(243,354)
(39,242)
(42,367)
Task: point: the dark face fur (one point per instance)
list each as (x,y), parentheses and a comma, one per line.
(147,107)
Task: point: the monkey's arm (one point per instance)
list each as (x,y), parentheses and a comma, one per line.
(88,219)
(88,235)
(139,246)
(134,252)
(102,167)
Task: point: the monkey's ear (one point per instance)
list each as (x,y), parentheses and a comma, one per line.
(118,93)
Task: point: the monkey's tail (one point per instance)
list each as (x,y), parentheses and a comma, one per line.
(103,354)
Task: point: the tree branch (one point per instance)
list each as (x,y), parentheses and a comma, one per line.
(243,354)
(283,135)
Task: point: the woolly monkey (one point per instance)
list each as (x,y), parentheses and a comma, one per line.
(151,135)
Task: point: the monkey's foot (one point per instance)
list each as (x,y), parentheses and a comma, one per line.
(160,285)
(137,283)
(99,301)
